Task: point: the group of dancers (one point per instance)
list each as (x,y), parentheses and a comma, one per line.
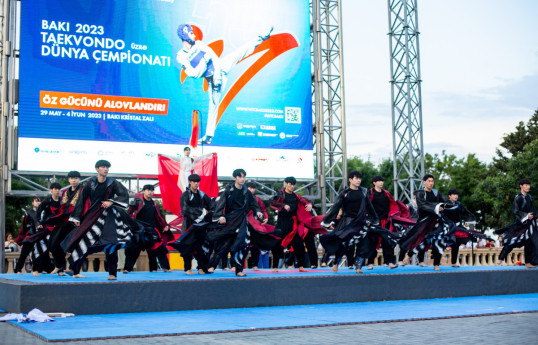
(91,218)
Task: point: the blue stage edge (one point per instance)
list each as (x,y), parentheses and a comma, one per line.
(249,319)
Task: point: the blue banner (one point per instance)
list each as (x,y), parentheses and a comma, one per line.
(135,71)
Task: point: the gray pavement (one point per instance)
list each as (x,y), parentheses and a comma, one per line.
(498,329)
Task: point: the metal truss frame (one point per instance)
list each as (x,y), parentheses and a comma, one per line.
(327,106)
(5,118)
(406,100)
(328,87)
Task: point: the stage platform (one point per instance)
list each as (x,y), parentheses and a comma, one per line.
(140,292)
(93,327)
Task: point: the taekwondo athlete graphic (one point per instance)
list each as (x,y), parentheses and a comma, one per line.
(199,60)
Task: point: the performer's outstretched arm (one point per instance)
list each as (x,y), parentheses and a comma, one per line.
(371,213)
(220,204)
(330,217)
(120,194)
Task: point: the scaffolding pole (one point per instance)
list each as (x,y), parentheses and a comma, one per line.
(406,100)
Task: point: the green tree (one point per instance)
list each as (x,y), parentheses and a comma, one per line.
(498,189)
(366,168)
(386,169)
(515,142)
(16,206)
(465,176)
(440,166)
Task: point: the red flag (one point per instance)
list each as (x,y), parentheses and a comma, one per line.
(195,129)
(207,169)
(169,179)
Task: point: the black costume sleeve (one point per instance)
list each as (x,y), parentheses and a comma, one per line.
(331,215)
(516,208)
(120,194)
(195,214)
(210,205)
(428,206)
(277,202)
(133,206)
(79,207)
(42,211)
(220,204)
(371,214)
(466,215)
(252,203)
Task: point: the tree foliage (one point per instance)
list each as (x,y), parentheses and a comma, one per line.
(514,143)
(498,189)
(486,190)
(16,206)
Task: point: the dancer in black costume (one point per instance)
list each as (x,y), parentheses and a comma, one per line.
(524,231)
(352,227)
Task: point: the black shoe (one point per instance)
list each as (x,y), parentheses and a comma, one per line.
(206,140)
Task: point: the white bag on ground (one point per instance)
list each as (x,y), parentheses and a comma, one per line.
(35,315)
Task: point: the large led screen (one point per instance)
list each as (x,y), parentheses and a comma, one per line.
(127,80)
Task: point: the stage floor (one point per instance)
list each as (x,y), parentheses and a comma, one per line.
(101,277)
(250,319)
(142,292)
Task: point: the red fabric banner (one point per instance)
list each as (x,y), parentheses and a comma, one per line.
(195,130)
(169,172)
(207,169)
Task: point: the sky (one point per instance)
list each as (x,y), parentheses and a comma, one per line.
(479,68)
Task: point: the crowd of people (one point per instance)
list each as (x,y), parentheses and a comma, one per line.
(83,220)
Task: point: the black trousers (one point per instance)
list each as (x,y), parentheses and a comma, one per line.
(326,257)
(200,257)
(220,253)
(220,249)
(55,245)
(528,251)
(254,256)
(421,255)
(455,249)
(298,251)
(435,254)
(224,259)
(160,253)
(238,259)
(311,248)
(111,260)
(132,252)
(350,254)
(41,264)
(278,253)
(360,250)
(388,251)
(25,251)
